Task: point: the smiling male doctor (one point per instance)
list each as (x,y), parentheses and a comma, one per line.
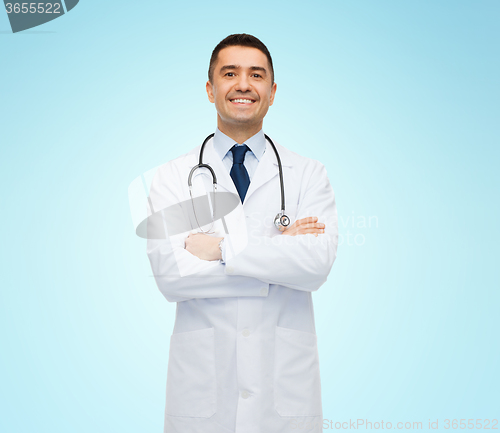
(243,354)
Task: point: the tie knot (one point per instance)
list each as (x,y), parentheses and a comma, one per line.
(239,153)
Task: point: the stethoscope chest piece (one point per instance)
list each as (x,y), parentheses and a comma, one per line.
(281,221)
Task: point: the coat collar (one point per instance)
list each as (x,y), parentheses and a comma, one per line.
(266,169)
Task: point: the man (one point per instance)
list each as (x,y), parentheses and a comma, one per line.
(243,354)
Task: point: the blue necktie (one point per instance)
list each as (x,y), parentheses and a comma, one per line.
(239,173)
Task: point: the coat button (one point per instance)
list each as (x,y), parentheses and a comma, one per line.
(246,333)
(245,395)
(263,291)
(229,269)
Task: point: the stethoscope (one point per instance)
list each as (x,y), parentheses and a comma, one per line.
(281,221)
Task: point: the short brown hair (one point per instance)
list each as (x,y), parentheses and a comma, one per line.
(243,40)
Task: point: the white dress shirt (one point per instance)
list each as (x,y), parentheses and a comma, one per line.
(256,144)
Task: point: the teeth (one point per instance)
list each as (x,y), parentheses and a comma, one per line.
(245,101)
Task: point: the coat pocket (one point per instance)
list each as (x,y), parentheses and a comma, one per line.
(191,380)
(297,387)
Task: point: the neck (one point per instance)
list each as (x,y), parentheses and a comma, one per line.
(239,133)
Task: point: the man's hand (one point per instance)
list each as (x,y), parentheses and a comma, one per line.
(203,246)
(305,226)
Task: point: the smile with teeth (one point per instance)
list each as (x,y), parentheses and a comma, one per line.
(242,101)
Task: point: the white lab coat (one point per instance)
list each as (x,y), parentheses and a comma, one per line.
(243,353)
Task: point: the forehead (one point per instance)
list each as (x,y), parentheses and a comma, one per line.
(241,56)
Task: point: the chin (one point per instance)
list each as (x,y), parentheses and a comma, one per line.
(234,118)
(244,121)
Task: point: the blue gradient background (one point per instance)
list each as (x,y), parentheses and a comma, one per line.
(400,101)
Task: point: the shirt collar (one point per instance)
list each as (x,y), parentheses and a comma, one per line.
(223,144)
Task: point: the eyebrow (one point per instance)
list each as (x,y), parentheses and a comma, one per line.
(252,68)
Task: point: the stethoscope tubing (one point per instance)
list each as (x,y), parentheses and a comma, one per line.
(281,216)
(280,173)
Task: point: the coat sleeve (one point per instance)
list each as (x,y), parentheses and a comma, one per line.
(300,262)
(180,275)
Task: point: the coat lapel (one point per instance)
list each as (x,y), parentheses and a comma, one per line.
(267,168)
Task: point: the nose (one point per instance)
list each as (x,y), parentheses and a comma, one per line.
(243,84)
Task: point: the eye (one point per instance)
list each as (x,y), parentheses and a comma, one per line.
(229,74)
(256,75)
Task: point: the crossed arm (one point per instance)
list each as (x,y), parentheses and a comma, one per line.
(300,258)
(206,247)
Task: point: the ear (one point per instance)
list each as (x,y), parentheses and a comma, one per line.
(210,92)
(273,92)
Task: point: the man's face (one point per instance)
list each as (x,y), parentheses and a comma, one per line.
(241,87)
